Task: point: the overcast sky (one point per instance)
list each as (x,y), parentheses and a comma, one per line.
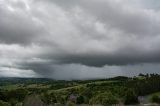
(79,39)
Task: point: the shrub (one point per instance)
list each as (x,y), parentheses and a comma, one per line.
(155,99)
(104,99)
(131,97)
(2,103)
(69,103)
(80,100)
(18,94)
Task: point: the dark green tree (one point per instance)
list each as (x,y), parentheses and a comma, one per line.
(106,99)
(80,99)
(131,97)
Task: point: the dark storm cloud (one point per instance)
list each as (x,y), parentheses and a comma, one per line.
(100,61)
(47,37)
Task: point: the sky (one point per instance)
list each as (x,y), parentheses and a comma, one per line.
(79,39)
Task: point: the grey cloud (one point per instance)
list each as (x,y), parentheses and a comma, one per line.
(125,17)
(111,59)
(13,72)
(51,35)
(77,71)
(17,25)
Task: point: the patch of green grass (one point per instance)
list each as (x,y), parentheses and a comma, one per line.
(64,90)
(151,95)
(11,87)
(38,86)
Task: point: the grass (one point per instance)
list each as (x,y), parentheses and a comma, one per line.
(17,86)
(79,86)
(151,95)
(11,87)
(38,86)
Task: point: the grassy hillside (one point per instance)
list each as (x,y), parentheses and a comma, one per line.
(104,92)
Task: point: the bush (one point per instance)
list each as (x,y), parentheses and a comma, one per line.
(155,99)
(69,103)
(2,103)
(18,94)
(13,101)
(104,99)
(80,100)
(131,97)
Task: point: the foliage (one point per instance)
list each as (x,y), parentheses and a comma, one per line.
(131,97)
(2,103)
(18,94)
(102,91)
(80,99)
(104,99)
(69,103)
(155,99)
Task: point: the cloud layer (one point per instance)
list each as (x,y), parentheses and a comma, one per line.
(79,39)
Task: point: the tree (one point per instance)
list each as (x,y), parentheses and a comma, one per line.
(47,98)
(53,98)
(141,75)
(131,97)
(106,99)
(18,94)
(80,99)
